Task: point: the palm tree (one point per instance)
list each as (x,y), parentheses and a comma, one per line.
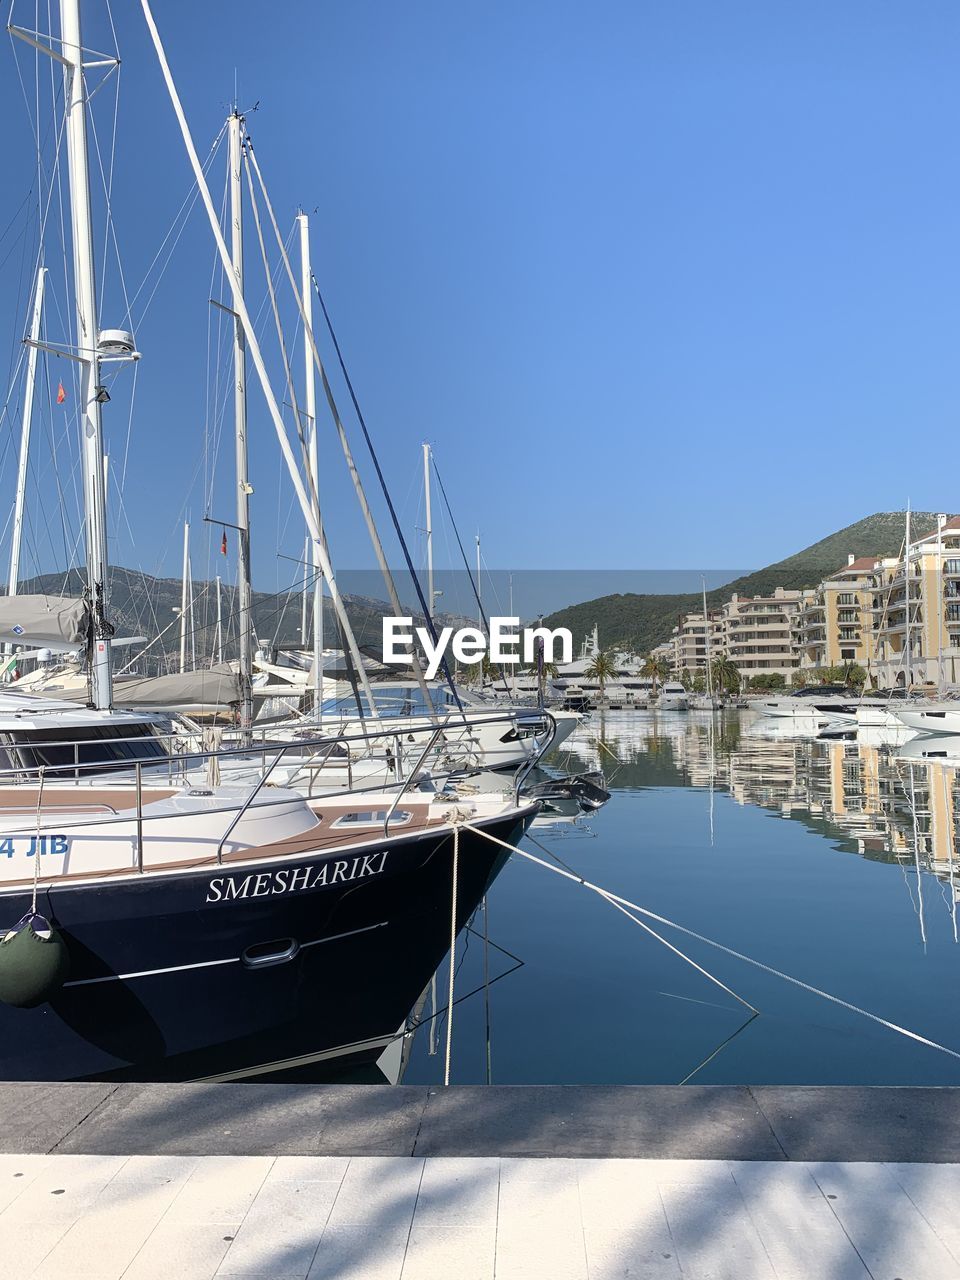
(602,668)
(726,674)
(656,669)
(482,671)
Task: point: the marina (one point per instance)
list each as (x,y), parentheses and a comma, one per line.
(391,886)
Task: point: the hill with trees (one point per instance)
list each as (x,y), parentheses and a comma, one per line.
(640,621)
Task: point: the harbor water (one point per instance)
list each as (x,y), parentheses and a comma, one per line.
(828,860)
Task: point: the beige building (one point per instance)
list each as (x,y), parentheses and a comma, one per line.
(758,633)
(835,622)
(901,626)
(916,611)
(691,642)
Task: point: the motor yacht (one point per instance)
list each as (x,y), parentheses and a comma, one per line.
(819,703)
(672,697)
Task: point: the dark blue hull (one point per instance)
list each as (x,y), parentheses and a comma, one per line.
(234,968)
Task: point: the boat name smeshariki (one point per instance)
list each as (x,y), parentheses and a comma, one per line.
(296,879)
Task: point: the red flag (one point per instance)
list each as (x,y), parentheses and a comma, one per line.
(223,543)
(61,394)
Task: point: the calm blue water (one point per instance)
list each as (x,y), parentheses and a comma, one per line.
(798,852)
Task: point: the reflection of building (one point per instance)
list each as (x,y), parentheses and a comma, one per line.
(858,791)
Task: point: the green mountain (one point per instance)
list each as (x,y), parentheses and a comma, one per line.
(639,622)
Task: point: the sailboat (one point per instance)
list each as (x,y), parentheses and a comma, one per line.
(164,930)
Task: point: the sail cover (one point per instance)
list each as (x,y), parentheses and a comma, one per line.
(211,689)
(59,622)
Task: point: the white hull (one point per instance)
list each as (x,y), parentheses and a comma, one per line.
(807,710)
(941,719)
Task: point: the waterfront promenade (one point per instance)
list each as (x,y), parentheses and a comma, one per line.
(507,1183)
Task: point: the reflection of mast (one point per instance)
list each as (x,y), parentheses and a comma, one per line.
(951,836)
(916,854)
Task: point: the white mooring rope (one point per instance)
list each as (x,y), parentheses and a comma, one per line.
(622,903)
(458,822)
(36,845)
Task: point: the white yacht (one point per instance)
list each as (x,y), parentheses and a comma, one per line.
(817,703)
(882,707)
(673,697)
(152,928)
(940,716)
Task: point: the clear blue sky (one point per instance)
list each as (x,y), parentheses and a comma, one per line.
(670,285)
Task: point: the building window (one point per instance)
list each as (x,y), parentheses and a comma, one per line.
(848,655)
(848,615)
(953,612)
(846,597)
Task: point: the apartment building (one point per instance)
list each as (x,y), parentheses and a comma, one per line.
(758,633)
(835,621)
(900,623)
(916,611)
(693,640)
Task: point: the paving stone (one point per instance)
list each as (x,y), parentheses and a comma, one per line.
(891,1235)
(40,1117)
(863,1123)
(643,1121)
(252,1119)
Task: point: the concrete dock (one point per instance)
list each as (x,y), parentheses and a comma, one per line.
(503,1183)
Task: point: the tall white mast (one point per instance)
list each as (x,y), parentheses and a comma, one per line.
(28,392)
(244,590)
(304,592)
(906,598)
(88,336)
(218,638)
(183,596)
(310,411)
(273,408)
(429,515)
(706,639)
(939,618)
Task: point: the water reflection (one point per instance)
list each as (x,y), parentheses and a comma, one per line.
(744,831)
(878,791)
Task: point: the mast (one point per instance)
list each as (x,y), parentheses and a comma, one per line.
(908,676)
(273,408)
(183,596)
(479,605)
(310,410)
(706,638)
(429,516)
(939,588)
(88,334)
(244,590)
(303,593)
(28,394)
(218,638)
